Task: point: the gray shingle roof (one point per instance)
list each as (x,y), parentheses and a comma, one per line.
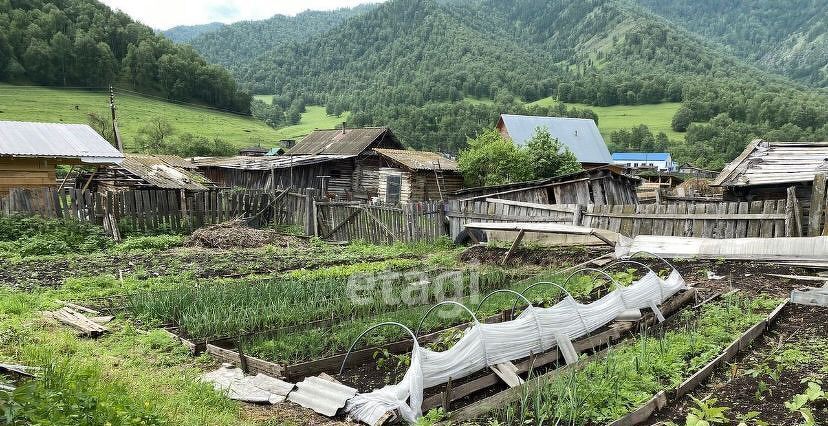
(773,163)
(419,160)
(580,135)
(56,140)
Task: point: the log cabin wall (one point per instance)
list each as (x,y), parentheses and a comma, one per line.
(19,172)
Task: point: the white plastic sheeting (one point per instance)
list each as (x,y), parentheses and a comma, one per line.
(534,331)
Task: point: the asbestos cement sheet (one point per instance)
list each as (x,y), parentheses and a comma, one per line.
(320,395)
(257,389)
(802,249)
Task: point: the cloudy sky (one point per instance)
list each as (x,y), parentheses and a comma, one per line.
(163,14)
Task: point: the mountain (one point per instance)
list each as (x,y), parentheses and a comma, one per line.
(238,43)
(417,65)
(86,44)
(790,37)
(185,33)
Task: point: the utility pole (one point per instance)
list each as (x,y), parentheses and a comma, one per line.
(115,132)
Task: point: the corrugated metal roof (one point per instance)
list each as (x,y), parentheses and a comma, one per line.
(266,162)
(166,171)
(769,163)
(580,135)
(640,156)
(339,141)
(320,395)
(419,160)
(56,140)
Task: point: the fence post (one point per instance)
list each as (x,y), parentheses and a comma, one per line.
(310,213)
(817,206)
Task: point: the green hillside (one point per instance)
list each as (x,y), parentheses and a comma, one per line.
(657,117)
(313,118)
(72,106)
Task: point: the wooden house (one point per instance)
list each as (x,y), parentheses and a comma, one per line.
(30,152)
(579,135)
(341,163)
(780,171)
(600,186)
(416,176)
(139,171)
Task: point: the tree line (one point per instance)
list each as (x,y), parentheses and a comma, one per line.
(85,43)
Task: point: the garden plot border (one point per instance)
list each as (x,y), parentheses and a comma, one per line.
(663,398)
(615,334)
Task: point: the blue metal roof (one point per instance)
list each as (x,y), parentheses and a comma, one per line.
(640,156)
(580,135)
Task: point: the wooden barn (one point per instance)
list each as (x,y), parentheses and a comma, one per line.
(779,171)
(139,171)
(416,176)
(599,186)
(342,163)
(30,152)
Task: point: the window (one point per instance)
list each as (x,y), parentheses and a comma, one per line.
(392,189)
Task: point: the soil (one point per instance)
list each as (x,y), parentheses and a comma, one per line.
(25,274)
(544,257)
(732,387)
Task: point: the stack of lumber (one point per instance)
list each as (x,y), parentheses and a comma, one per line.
(69,315)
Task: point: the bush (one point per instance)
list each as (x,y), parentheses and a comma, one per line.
(156,242)
(35,236)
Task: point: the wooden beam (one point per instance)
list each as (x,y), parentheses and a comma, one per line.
(817,206)
(514,247)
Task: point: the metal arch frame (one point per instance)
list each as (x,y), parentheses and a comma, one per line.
(504,290)
(445,302)
(523,293)
(653,255)
(347,354)
(604,273)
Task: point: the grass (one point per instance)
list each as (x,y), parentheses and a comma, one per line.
(656,116)
(44,104)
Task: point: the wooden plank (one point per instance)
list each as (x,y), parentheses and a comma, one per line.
(818,208)
(766,229)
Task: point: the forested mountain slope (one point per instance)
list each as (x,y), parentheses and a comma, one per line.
(788,37)
(415,65)
(238,43)
(185,33)
(85,43)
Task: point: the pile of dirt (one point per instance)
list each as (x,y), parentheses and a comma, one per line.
(236,234)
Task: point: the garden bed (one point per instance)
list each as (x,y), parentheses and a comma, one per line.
(759,382)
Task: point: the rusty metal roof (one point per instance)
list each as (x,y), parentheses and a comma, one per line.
(320,395)
(341,141)
(770,163)
(267,162)
(56,140)
(166,171)
(419,160)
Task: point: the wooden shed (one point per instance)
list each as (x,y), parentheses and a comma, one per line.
(342,163)
(416,176)
(779,171)
(30,152)
(139,171)
(600,186)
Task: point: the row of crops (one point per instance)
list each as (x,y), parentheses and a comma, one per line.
(631,373)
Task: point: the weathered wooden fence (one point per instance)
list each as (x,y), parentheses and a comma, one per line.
(153,210)
(461,212)
(347,221)
(771,218)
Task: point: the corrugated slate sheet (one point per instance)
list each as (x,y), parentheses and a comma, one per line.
(266,162)
(580,135)
(56,140)
(418,160)
(337,142)
(320,395)
(167,172)
(769,163)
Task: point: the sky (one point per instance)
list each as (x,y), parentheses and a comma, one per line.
(164,14)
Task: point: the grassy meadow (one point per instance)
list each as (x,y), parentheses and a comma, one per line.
(313,118)
(72,106)
(656,116)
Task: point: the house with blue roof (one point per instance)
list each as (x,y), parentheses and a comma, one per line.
(580,135)
(644,160)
